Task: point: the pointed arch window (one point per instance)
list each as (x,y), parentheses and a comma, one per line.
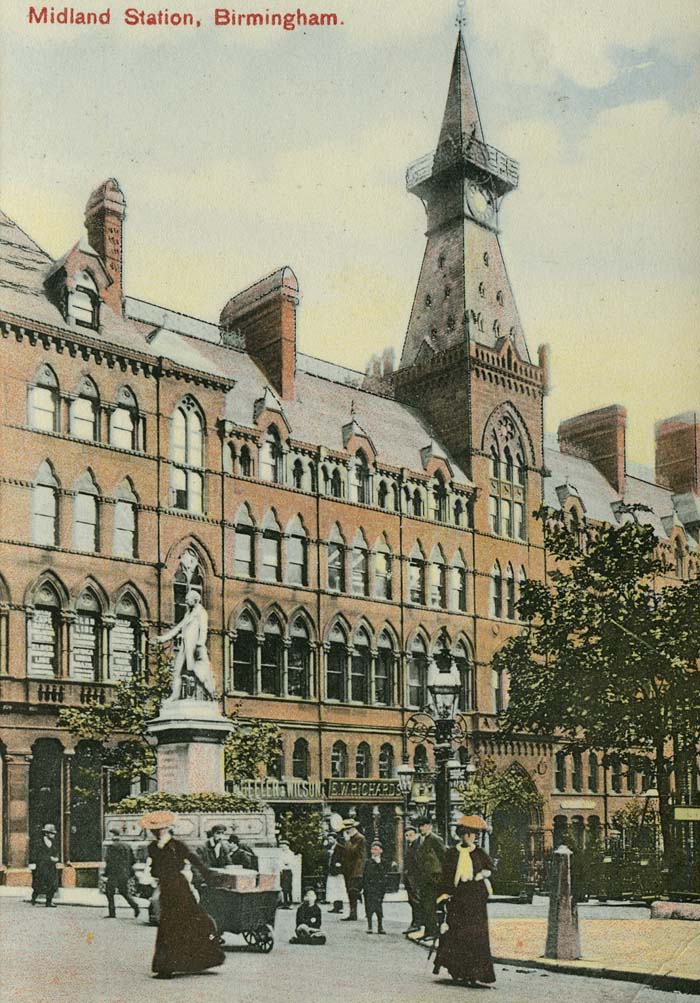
(187,452)
(416,576)
(360,566)
(271,457)
(498,685)
(188,576)
(439,499)
(125,639)
(386,762)
(438,579)
(124,421)
(84,410)
(243,654)
(496,592)
(336,664)
(271,550)
(86,638)
(458,513)
(299,661)
(271,658)
(418,674)
(360,668)
(44,400)
(339,760)
(508,488)
(382,570)
(560,771)
(679,559)
(45,507)
(458,584)
(336,561)
(44,633)
(463,663)
(301,759)
(298,474)
(243,547)
(245,462)
(383,495)
(510,593)
(125,525)
(577,772)
(363,761)
(297,547)
(384,671)
(363,479)
(418,507)
(420,759)
(522,578)
(85,515)
(336,483)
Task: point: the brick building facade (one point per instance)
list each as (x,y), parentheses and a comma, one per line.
(341,527)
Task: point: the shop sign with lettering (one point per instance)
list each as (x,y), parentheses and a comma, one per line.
(345,789)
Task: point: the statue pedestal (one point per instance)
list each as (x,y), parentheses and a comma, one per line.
(190,737)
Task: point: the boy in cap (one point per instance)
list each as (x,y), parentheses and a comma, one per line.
(44,865)
(374,886)
(119,863)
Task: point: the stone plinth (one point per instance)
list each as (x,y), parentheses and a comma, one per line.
(190,737)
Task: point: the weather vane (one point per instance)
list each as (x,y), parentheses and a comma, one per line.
(461,14)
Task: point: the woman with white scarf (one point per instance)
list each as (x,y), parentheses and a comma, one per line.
(464,948)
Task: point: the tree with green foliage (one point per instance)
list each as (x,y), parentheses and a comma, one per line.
(490,789)
(303,830)
(120,727)
(609,655)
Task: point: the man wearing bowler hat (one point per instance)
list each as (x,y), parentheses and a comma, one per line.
(44,864)
(410,876)
(119,865)
(430,855)
(353,860)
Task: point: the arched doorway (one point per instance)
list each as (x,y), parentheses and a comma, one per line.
(86,802)
(45,787)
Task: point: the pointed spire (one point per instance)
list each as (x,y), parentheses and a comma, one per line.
(461,116)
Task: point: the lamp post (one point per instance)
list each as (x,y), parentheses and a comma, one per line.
(443,687)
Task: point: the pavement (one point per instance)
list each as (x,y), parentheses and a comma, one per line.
(73,955)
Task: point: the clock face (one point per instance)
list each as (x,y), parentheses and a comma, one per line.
(481,203)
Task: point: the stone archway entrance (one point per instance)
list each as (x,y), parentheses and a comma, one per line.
(45,787)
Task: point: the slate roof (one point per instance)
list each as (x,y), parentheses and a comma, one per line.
(325,393)
(600,499)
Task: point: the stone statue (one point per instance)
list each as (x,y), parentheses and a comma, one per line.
(192,675)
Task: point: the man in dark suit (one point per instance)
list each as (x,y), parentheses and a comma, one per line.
(44,864)
(374,887)
(119,867)
(410,876)
(215,852)
(430,855)
(353,859)
(241,853)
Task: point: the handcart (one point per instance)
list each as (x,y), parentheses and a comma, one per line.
(251,914)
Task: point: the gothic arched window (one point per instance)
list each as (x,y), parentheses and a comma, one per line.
(301,759)
(187,454)
(44,634)
(299,660)
(508,486)
(125,525)
(271,658)
(363,761)
(125,639)
(339,760)
(418,674)
(384,671)
(360,565)
(45,507)
(44,400)
(84,411)
(360,668)
(124,421)
(336,664)
(243,653)
(496,592)
(85,514)
(244,544)
(297,543)
(386,762)
(188,576)
(86,638)
(271,457)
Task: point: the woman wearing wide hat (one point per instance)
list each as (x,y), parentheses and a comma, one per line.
(187,940)
(464,948)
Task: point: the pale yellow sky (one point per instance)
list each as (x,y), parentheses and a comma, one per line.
(240,150)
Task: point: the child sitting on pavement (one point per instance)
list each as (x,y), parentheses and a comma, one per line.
(308,929)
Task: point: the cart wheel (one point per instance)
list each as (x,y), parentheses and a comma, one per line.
(250,937)
(265,938)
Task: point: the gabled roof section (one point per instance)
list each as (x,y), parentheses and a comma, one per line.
(461,110)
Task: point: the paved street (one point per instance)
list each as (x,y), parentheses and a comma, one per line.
(73,955)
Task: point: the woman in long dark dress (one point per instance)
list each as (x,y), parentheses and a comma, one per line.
(187,941)
(464,948)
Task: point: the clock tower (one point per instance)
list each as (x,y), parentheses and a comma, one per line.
(465,353)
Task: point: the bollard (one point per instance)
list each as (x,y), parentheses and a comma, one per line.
(563,940)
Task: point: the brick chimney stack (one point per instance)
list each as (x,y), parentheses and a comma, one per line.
(104,221)
(265,315)
(678,453)
(598,436)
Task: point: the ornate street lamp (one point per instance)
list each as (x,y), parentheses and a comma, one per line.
(444,687)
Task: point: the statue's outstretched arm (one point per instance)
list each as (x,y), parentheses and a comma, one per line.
(169,634)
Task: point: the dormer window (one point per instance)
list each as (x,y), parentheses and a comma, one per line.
(84,302)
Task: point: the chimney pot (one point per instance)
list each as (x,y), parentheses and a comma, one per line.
(598,436)
(104,221)
(678,453)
